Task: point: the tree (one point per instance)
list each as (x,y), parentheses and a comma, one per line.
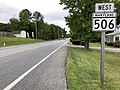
(38,18)
(25,17)
(80,18)
(117,5)
(4,27)
(50,32)
(14,24)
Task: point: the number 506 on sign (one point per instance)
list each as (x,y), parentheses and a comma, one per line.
(104,23)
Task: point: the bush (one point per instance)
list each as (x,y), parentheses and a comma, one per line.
(95,40)
(76,42)
(109,44)
(116,44)
(82,43)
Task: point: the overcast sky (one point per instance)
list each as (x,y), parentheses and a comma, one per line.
(52,11)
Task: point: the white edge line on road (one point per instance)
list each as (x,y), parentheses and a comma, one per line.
(10,86)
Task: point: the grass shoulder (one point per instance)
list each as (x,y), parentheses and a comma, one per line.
(95,44)
(99,45)
(10,41)
(82,70)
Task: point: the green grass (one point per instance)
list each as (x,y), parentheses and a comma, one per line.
(83,70)
(17,41)
(99,45)
(69,43)
(95,44)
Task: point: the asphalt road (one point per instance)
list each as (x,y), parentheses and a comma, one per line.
(39,66)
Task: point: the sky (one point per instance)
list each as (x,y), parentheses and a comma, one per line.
(51,9)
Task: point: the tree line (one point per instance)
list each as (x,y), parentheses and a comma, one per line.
(33,23)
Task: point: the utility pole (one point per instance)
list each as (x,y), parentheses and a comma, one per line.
(58,33)
(36,29)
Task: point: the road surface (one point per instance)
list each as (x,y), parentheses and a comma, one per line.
(39,66)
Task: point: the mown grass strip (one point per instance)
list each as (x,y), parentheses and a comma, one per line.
(99,45)
(17,41)
(83,70)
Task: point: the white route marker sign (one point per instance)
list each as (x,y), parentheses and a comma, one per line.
(104,18)
(104,21)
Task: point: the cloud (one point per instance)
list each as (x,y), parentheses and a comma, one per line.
(7,12)
(52,11)
(56,15)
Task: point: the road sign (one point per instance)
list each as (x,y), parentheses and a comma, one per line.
(104,7)
(104,21)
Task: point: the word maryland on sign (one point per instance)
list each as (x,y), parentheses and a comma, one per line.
(104,18)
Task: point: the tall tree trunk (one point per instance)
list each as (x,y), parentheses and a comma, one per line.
(87,44)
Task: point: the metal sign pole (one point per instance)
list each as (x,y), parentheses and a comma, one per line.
(104,19)
(102,59)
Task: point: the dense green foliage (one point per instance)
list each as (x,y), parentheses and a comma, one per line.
(34,23)
(24,18)
(14,24)
(51,32)
(79,19)
(83,70)
(4,27)
(38,19)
